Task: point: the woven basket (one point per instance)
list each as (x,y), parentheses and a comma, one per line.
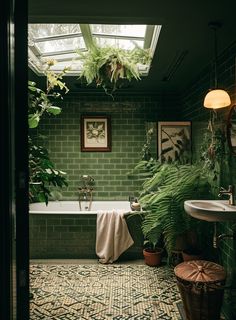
(201,286)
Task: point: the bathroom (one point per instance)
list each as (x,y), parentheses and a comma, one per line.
(130,113)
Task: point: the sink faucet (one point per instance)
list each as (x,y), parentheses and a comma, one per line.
(230,192)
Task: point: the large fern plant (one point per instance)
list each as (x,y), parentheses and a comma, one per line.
(111,67)
(162,198)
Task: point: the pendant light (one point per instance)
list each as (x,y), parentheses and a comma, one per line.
(216,98)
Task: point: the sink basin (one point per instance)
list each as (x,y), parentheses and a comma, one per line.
(210,210)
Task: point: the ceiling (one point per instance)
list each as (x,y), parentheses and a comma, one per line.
(185,45)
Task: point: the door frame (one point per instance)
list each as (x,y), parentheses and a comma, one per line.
(14,219)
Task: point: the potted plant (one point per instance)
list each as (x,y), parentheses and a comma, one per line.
(163,197)
(110,67)
(165,187)
(164,190)
(152,254)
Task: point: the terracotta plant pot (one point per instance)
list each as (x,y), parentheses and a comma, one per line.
(152,257)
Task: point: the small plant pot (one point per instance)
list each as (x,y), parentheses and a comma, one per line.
(191,254)
(152,257)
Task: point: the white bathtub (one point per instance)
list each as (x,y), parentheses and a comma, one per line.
(72,207)
(61,231)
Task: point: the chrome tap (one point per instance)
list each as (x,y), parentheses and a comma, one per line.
(230,192)
(86,192)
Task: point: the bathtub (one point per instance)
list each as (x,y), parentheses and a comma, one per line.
(72,207)
(60,230)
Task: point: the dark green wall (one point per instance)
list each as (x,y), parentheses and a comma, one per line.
(192,108)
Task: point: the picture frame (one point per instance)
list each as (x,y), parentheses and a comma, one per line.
(175,141)
(95,133)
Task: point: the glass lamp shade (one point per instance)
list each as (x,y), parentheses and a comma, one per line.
(216,99)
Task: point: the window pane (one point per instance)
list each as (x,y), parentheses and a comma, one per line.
(60,45)
(119,30)
(119,43)
(45,30)
(72,65)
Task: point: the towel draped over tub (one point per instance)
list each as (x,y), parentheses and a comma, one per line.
(113,236)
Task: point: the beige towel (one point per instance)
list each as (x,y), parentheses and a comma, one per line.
(113,236)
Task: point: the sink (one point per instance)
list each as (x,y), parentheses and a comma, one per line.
(210,210)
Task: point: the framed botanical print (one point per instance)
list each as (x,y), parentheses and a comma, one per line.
(95,133)
(174,141)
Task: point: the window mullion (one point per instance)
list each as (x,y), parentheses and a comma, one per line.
(87,35)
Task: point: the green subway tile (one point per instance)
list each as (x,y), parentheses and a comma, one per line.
(60,228)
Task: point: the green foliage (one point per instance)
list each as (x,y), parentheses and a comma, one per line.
(213,153)
(42,172)
(146,152)
(163,199)
(110,67)
(42,102)
(213,150)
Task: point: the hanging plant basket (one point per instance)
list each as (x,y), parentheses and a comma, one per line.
(111,68)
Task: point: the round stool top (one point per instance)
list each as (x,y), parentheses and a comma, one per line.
(200,271)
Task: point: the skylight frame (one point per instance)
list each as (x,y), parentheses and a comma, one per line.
(36,57)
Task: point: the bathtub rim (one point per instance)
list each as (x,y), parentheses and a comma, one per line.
(76,212)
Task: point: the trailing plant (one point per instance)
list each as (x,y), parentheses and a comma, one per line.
(110,67)
(42,171)
(147,165)
(146,149)
(213,152)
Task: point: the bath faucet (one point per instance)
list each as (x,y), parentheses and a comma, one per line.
(230,192)
(86,191)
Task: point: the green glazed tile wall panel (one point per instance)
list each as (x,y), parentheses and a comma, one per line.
(192,106)
(109,169)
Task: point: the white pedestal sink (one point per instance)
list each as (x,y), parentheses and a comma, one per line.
(210,210)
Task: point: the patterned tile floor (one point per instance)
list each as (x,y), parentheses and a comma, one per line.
(75,291)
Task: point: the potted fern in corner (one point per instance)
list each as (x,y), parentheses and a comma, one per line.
(163,199)
(165,187)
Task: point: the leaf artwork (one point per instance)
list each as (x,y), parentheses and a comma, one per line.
(175,144)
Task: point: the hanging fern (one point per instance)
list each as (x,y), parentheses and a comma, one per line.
(110,67)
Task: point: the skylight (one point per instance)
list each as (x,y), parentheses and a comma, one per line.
(59,42)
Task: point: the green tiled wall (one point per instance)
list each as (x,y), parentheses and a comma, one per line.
(193,109)
(109,169)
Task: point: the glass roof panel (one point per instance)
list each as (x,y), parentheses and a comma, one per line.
(46,47)
(119,30)
(37,30)
(60,42)
(75,66)
(119,43)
